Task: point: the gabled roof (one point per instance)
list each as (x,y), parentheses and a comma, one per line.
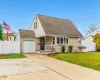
(27,34)
(58,26)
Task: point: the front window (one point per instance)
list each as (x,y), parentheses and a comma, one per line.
(61,40)
(58,40)
(65,40)
(53,40)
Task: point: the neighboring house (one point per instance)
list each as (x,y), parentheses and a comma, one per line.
(10,36)
(87,40)
(45,32)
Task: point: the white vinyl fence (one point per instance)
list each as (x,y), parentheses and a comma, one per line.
(90,46)
(9,47)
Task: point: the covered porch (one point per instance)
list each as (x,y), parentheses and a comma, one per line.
(46,43)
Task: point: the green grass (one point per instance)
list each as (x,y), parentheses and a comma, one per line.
(90,59)
(12,56)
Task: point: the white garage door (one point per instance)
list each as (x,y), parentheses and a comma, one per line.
(28,46)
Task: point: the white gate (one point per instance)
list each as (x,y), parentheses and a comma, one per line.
(9,47)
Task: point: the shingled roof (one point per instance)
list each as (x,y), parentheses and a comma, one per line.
(58,26)
(27,34)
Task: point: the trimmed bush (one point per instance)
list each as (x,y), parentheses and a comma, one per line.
(81,48)
(63,49)
(70,48)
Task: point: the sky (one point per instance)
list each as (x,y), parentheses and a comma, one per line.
(20,13)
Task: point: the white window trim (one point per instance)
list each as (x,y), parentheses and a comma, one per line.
(64,43)
(53,40)
(35,25)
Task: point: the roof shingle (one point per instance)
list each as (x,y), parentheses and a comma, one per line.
(27,34)
(58,26)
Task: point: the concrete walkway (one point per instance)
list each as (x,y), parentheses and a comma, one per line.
(65,69)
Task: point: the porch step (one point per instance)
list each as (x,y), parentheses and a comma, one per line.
(43,52)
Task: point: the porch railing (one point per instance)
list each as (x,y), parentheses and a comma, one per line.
(48,47)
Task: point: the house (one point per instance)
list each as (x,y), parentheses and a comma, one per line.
(45,32)
(87,40)
(10,37)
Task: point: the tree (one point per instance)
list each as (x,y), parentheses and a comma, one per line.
(92,27)
(97,41)
(1,33)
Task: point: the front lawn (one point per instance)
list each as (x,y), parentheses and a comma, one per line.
(11,56)
(90,59)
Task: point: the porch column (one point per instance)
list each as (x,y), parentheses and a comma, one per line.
(45,43)
(55,40)
(63,40)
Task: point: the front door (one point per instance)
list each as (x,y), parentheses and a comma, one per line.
(42,43)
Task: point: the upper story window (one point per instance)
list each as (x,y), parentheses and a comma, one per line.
(35,25)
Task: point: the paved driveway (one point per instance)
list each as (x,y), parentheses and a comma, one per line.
(26,69)
(19,66)
(53,69)
(67,70)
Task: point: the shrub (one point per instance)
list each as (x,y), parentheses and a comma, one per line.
(81,47)
(98,47)
(63,49)
(70,48)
